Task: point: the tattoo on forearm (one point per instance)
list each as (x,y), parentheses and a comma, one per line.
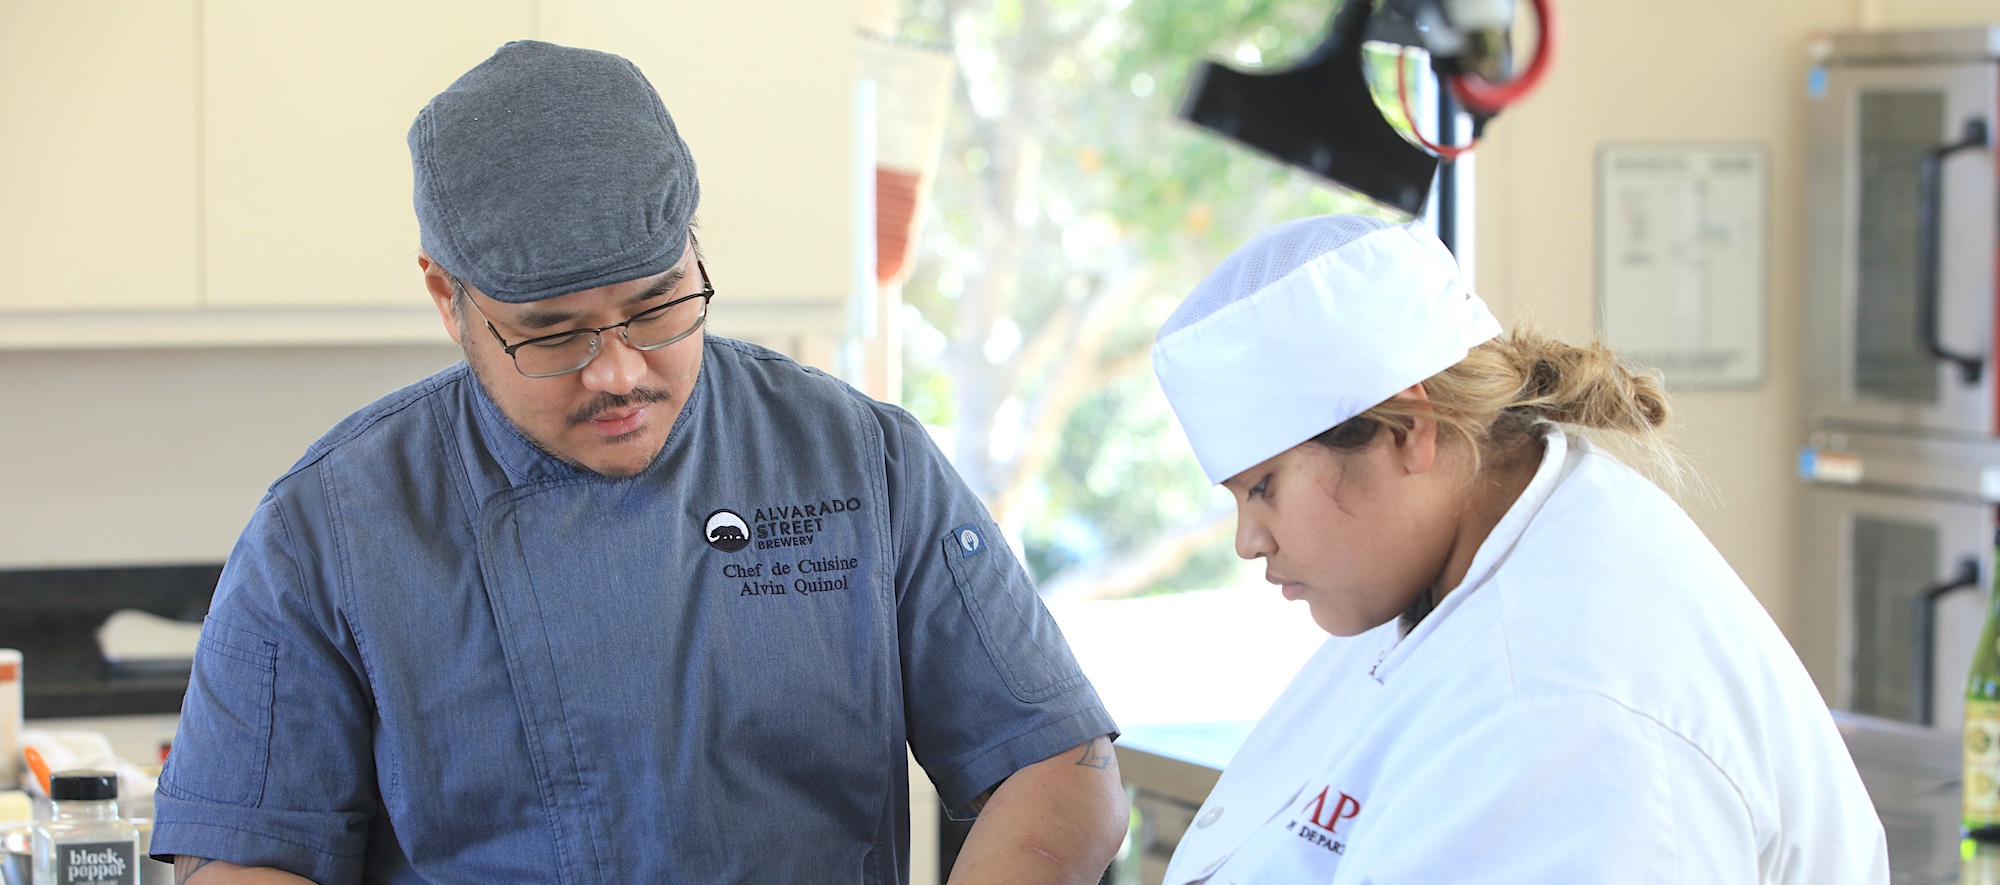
(185,867)
(1097,754)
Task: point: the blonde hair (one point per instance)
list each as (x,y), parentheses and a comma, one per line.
(1499,395)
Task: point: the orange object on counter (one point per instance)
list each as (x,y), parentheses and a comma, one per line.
(37,765)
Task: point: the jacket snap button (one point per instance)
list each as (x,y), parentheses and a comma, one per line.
(1208,817)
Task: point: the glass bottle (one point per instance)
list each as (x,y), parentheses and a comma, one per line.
(1981,816)
(85,842)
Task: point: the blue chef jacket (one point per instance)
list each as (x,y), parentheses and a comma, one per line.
(438,654)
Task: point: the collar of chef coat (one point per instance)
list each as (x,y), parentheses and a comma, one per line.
(1556,464)
(526,463)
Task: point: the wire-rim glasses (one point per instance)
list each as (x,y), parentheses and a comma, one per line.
(650,329)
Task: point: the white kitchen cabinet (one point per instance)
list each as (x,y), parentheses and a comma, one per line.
(306,109)
(98,135)
(234,172)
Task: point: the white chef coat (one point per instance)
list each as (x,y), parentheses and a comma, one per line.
(1600,700)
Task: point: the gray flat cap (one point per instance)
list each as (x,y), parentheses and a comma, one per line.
(548,170)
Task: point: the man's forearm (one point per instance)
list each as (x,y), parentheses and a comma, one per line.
(1058,821)
(202,871)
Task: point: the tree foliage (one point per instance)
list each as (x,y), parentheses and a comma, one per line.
(1070,214)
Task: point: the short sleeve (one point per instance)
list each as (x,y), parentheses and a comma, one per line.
(1575,789)
(990,685)
(272,763)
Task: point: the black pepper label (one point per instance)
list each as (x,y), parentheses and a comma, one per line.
(97,863)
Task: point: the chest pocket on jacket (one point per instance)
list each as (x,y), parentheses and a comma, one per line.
(1025,644)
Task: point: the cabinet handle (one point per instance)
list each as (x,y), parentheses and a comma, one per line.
(1930,205)
(1968,576)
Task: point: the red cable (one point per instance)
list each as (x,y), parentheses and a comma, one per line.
(1448,153)
(1480,96)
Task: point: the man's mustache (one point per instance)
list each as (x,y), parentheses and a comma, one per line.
(605,402)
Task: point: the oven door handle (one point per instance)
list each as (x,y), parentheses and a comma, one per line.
(1926,615)
(1930,206)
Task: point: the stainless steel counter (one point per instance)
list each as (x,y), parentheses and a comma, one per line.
(1911,773)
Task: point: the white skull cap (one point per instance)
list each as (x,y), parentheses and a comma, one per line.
(1307,325)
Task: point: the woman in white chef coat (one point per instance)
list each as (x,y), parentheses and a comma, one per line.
(1542,672)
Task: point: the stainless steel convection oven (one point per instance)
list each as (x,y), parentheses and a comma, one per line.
(1902,448)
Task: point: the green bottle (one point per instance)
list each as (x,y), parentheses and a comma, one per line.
(1982,729)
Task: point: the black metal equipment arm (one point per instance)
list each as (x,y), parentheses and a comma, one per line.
(1930,206)
(1926,615)
(1317,116)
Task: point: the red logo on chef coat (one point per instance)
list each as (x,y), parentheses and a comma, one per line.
(1325,812)
(1330,808)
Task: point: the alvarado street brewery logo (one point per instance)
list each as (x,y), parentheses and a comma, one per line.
(795,525)
(726,531)
(799,573)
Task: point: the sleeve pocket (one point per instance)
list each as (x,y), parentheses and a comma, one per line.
(1023,641)
(223,748)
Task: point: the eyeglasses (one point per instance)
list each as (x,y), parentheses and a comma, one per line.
(566,352)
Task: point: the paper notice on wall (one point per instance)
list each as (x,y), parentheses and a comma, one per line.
(1681,260)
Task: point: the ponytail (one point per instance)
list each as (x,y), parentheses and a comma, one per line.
(1504,389)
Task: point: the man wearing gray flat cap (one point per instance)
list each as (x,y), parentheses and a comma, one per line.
(614,600)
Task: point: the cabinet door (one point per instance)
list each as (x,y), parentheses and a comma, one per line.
(307,107)
(97,155)
(763,92)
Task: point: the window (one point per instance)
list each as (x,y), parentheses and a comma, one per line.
(1070,214)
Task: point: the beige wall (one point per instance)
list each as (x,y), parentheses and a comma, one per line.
(1687,70)
(155,457)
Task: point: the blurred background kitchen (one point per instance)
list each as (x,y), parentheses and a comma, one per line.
(982,209)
